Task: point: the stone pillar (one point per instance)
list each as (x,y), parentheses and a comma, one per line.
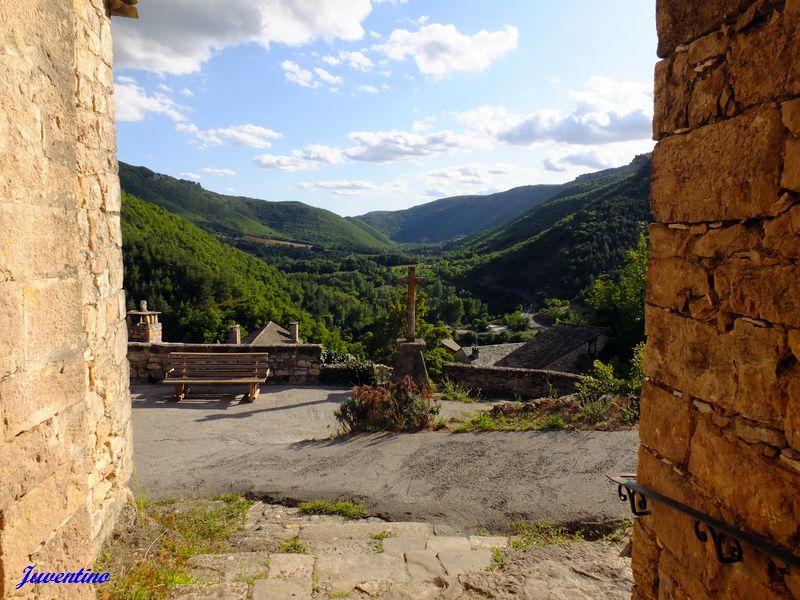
(65,436)
(234,334)
(720,423)
(410,362)
(294,332)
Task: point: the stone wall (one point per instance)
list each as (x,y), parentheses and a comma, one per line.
(65,436)
(720,427)
(505,382)
(291,364)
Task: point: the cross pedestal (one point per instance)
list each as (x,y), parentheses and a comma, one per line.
(411,362)
(409,350)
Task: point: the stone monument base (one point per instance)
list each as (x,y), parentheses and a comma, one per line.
(411,362)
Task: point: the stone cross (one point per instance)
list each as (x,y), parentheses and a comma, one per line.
(411,301)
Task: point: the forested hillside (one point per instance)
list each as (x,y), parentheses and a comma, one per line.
(450,218)
(236,217)
(560,247)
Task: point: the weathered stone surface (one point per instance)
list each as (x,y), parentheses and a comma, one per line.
(449,544)
(729,170)
(229,567)
(401,545)
(791,166)
(424,565)
(286,566)
(219,591)
(762,291)
(456,562)
(790,110)
(488,541)
(682,22)
(355,566)
(645,554)
(666,423)
(680,285)
(281,589)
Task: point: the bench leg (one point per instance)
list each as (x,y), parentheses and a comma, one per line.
(254,391)
(180,392)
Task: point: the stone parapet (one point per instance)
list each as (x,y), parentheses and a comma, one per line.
(508,382)
(720,420)
(291,364)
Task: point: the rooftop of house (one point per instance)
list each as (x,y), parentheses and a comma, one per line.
(490,355)
(269,335)
(451,345)
(550,345)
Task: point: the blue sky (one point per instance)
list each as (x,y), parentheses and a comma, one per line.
(361,105)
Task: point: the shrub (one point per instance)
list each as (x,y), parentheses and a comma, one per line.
(636,373)
(356,371)
(599,382)
(344,508)
(452,391)
(395,407)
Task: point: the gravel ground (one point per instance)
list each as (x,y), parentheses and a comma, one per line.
(277,448)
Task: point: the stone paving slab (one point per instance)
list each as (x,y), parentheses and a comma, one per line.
(423,565)
(456,562)
(361,530)
(286,566)
(488,542)
(401,545)
(229,567)
(219,591)
(448,543)
(361,567)
(282,589)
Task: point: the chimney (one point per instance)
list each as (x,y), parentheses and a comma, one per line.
(294,332)
(234,334)
(143,325)
(475,353)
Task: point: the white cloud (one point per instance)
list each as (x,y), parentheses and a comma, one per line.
(327,77)
(191,177)
(477,178)
(441,49)
(218,172)
(606,111)
(331,60)
(178,36)
(369,89)
(394,145)
(133,102)
(187,92)
(357,60)
(575,159)
(310,158)
(252,136)
(296,74)
(340,187)
(375,35)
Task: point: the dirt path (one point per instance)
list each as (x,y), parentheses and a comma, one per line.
(457,482)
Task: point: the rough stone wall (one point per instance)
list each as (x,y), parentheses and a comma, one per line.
(291,364)
(65,444)
(509,382)
(720,427)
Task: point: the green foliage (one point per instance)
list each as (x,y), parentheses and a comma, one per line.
(498,560)
(452,391)
(516,321)
(536,533)
(636,370)
(618,301)
(394,407)
(599,382)
(343,508)
(236,217)
(292,545)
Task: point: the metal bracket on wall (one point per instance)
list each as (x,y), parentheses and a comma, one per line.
(727,540)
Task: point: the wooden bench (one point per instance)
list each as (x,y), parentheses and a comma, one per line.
(213,368)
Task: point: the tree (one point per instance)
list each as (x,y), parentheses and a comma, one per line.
(618,301)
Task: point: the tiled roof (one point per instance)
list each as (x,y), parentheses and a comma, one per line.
(550,345)
(451,345)
(270,335)
(489,355)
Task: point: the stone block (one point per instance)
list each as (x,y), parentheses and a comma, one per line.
(790,111)
(11,329)
(401,545)
(424,565)
(219,591)
(228,567)
(681,22)
(791,165)
(439,544)
(728,170)
(709,46)
(645,556)
(335,565)
(681,285)
(666,423)
(458,562)
(762,291)
(361,531)
(745,482)
(782,234)
(488,542)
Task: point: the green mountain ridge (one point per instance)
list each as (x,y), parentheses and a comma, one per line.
(239,216)
(558,248)
(456,216)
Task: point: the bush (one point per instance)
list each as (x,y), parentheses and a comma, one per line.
(599,382)
(355,371)
(636,373)
(343,508)
(395,407)
(452,391)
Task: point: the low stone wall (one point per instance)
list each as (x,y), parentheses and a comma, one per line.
(504,381)
(293,364)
